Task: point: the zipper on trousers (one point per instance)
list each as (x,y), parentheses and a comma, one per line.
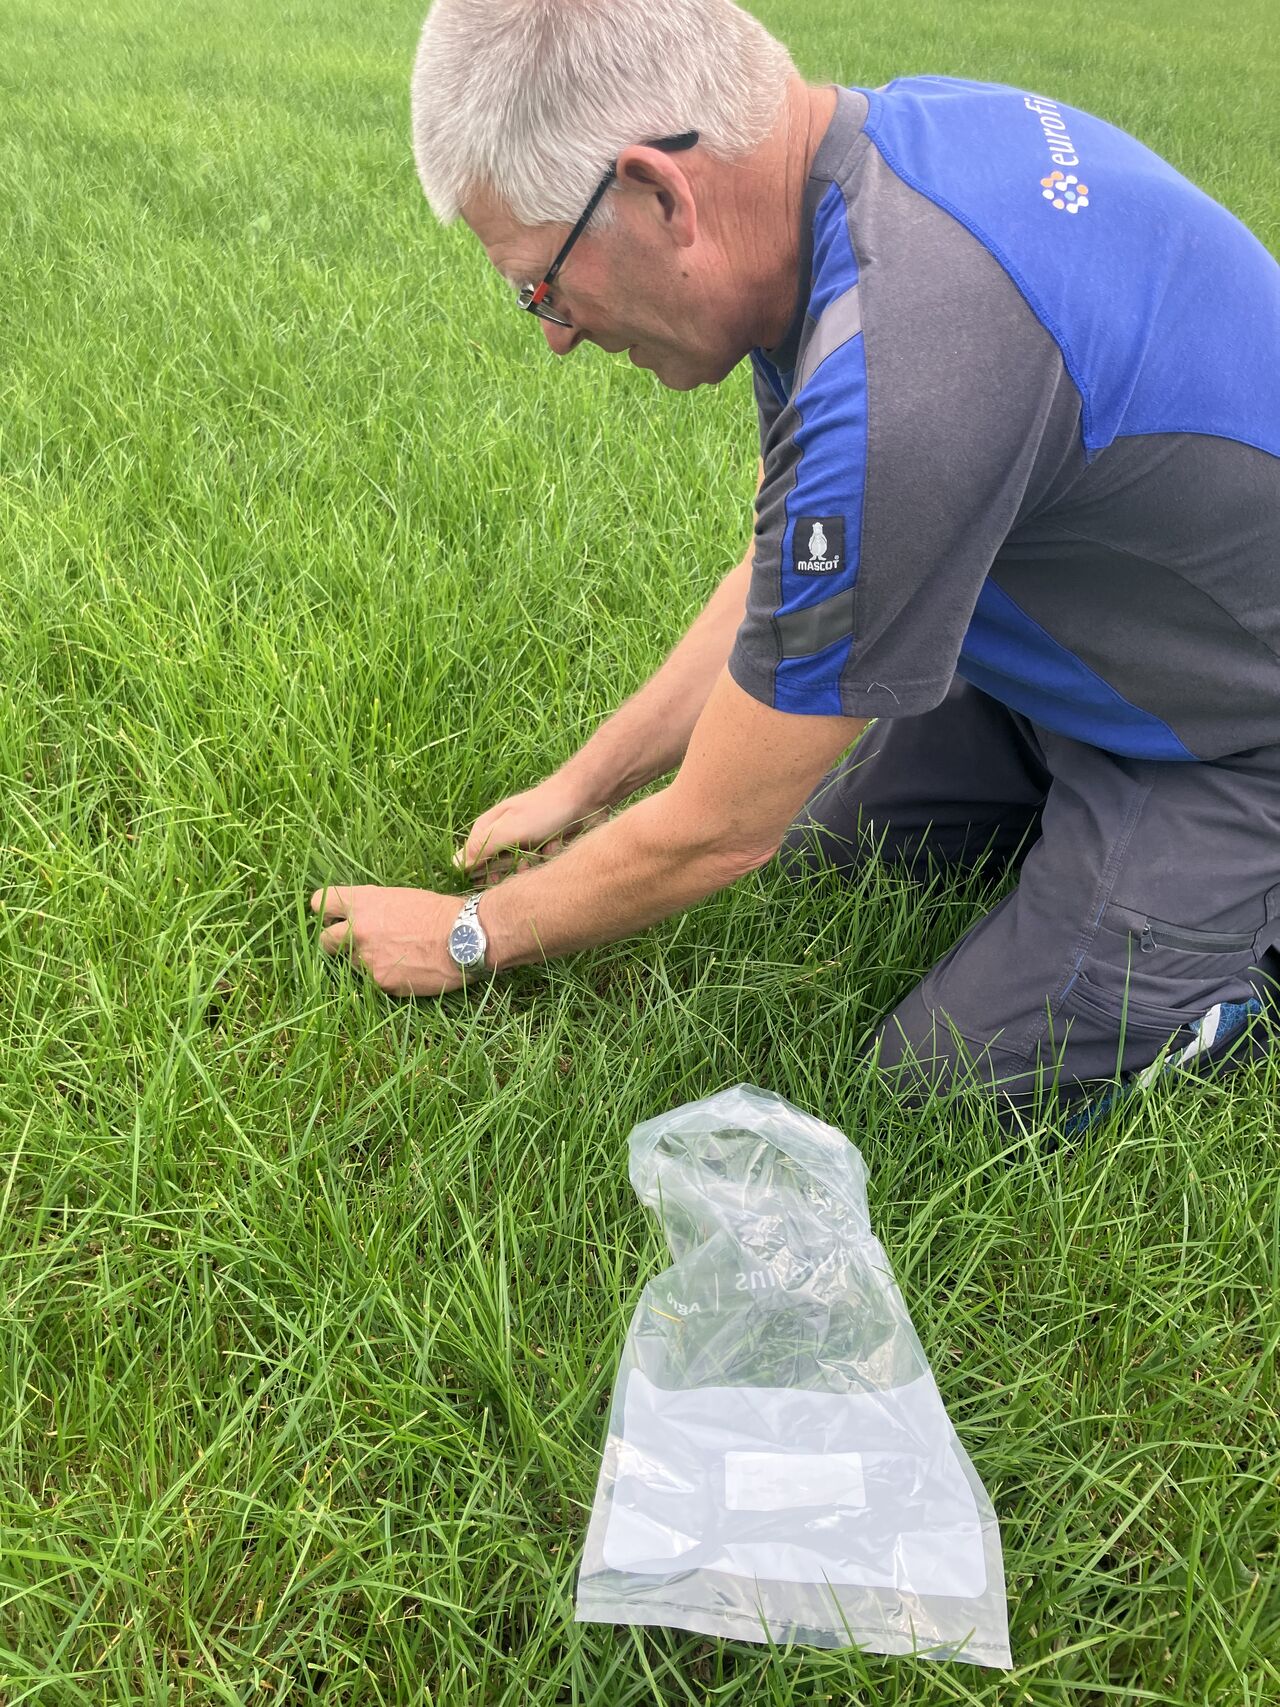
(1157,935)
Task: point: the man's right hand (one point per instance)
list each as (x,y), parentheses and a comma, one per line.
(527,828)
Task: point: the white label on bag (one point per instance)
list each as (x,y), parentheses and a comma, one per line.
(760,1482)
(776,1481)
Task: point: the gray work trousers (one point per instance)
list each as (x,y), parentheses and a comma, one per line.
(1148,892)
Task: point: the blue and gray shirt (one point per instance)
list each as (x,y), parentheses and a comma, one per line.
(1025,428)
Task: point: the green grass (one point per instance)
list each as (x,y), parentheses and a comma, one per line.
(312,1302)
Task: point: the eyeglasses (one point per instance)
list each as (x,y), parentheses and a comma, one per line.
(534,297)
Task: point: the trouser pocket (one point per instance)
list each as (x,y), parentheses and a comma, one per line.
(1152,934)
(1159,933)
(1267,940)
(1153,976)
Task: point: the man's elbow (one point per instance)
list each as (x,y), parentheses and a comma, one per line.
(722,852)
(737,858)
(726,859)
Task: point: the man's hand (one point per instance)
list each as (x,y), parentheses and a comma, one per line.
(527,828)
(399,936)
(747,771)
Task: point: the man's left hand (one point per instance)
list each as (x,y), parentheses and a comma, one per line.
(399,936)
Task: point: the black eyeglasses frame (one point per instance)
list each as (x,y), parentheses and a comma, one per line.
(533,297)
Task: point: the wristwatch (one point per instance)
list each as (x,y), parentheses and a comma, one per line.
(467,941)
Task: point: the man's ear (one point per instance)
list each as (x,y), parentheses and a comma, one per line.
(657,176)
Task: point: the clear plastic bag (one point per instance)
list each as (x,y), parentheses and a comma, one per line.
(779,1464)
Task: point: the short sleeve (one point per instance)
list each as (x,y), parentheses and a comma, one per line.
(926,413)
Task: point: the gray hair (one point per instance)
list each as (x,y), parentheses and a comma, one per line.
(531,99)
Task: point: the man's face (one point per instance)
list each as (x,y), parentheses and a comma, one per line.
(629,287)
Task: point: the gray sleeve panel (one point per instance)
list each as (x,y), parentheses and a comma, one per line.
(840,321)
(972,422)
(1160,568)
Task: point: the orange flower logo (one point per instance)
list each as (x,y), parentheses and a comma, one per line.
(1065,191)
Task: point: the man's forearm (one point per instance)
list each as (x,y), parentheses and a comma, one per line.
(648,734)
(619,878)
(748,770)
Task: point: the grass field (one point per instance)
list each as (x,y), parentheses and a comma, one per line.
(312,1302)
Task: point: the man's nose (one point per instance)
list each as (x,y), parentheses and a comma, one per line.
(562,339)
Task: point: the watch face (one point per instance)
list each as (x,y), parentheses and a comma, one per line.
(466,945)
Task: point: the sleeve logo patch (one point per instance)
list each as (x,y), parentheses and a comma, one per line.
(818,545)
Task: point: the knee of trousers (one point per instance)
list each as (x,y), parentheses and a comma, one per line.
(921,1055)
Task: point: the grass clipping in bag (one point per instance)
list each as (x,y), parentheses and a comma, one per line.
(779,1464)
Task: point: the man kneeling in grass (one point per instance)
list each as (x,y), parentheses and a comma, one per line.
(1019,404)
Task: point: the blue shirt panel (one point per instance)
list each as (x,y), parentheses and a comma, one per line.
(1010,656)
(1165,307)
(811,685)
(831,437)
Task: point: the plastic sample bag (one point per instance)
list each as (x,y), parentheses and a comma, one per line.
(779,1463)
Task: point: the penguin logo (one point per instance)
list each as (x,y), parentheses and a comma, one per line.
(825,538)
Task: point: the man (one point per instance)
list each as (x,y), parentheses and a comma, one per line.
(1019,397)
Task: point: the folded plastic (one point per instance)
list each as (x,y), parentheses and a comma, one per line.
(779,1464)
